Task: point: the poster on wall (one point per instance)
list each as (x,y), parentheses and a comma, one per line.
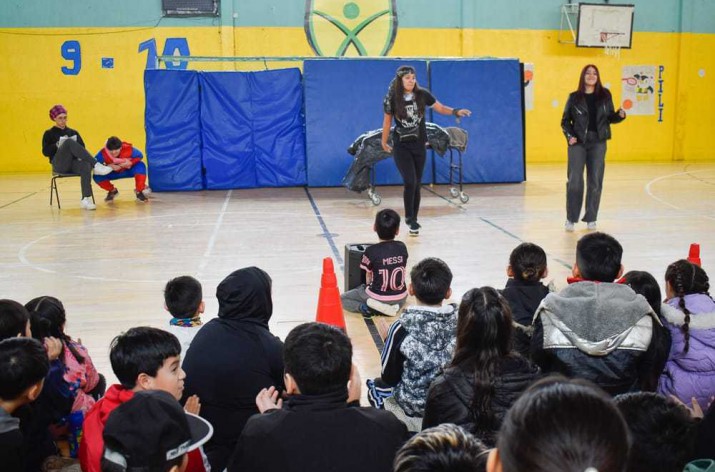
(638,90)
(529,85)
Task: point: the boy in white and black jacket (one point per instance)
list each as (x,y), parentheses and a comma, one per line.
(419,344)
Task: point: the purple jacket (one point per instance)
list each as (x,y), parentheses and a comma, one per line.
(690,374)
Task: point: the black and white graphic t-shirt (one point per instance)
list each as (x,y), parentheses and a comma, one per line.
(413,117)
(387,262)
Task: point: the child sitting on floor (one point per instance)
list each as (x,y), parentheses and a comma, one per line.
(183,298)
(418,345)
(385,264)
(524,291)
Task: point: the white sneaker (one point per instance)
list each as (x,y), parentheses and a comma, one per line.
(101,169)
(569,227)
(591,225)
(146,191)
(87,203)
(384,308)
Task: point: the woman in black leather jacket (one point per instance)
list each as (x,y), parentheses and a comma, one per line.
(485,376)
(586,123)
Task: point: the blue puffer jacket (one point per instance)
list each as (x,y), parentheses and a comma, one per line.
(690,374)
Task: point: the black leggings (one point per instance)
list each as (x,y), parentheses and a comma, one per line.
(410,160)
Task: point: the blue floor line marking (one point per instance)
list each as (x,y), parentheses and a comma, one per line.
(326,233)
(563,263)
(372,329)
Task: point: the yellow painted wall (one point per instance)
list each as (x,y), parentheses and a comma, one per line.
(102,102)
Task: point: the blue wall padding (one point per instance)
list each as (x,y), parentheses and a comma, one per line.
(278,127)
(343,99)
(491,89)
(173,135)
(226,118)
(252,129)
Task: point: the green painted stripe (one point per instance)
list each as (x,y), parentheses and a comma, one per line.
(697,16)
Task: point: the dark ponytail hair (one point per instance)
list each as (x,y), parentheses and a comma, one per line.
(47,318)
(484,336)
(686,278)
(645,284)
(396,93)
(528,262)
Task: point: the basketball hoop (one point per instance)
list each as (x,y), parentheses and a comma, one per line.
(610,48)
(613,51)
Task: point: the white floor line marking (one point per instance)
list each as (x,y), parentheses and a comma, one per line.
(214,235)
(648,191)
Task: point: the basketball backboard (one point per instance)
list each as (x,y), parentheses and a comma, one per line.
(601,25)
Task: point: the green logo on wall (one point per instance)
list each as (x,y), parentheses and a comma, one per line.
(351,28)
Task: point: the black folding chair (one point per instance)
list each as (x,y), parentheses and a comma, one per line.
(53,186)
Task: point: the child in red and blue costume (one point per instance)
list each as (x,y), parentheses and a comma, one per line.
(125,161)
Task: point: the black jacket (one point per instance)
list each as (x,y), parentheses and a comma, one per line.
(232,358)
(524,298)
(319,433)
(450,396)
(11,443)
(52,136)
(574,121)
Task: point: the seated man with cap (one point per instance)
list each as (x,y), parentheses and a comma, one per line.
(66,151)
(151,432)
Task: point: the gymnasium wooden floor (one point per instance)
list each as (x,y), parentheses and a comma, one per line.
(109,266)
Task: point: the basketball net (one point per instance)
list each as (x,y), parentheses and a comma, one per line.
(609,48)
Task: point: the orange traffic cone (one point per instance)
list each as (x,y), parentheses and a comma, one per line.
(330,308)
(694,254)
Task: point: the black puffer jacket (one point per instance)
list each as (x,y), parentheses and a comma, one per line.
(450,396)
(574,121)
(524,298)
(232,358)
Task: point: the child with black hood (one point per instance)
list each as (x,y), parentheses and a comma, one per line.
(232,358)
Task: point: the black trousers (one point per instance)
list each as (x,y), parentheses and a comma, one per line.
(410,160)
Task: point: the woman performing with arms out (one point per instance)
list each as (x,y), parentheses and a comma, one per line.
(586,123)
(406,101)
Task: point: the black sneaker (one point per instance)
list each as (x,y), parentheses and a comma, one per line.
(111,194)
(414,228)
(141,197)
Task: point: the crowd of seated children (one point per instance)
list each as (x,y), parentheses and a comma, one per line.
(296,407)
(319,426)
(418,346)
(385,265)
(184,300)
